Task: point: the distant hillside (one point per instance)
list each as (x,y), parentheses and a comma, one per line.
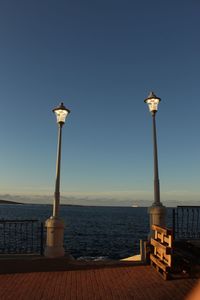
(9,202)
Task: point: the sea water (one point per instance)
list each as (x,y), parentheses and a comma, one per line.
(93,232)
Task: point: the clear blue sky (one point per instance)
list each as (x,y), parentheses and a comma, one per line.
(101,58)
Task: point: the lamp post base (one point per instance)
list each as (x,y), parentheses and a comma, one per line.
(55,234)
(157,214)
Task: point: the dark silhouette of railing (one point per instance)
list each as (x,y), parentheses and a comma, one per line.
(186,222)
(21,237)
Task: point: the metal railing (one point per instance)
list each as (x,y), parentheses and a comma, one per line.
(21,237)
(186,222)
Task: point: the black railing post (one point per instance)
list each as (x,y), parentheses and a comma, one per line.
(173,223)
(197,225)
(42,239)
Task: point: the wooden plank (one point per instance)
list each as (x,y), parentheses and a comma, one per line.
(159,263)
(169,260)
(163,257)
(168,240)
(161,236)
(165,275)
(157,244)
(164,230)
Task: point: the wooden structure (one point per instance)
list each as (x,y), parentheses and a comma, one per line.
(161,258)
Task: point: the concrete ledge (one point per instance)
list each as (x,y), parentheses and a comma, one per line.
(31,263)
(133,258)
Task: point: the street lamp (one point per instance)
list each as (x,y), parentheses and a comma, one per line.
(55,226)
(61,113)
(157,210)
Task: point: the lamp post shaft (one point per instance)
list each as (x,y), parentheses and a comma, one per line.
(157,211)
(57,183)
(55,226)
(156,176)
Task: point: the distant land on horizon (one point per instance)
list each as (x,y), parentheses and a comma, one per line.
(9,202)
(15,202)
(86,201)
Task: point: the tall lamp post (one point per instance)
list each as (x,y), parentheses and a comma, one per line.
(157,211)
(55,226)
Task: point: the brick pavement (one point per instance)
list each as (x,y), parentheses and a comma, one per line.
(94,283)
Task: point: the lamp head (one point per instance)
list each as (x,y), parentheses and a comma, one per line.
(61,113)
(152,100)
